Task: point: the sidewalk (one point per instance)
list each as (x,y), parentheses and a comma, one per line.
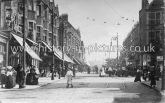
(157,88)
(42,82)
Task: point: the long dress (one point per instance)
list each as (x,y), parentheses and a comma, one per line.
(3,77)
(138,76)
(9,80)
(69,76)
(152,78)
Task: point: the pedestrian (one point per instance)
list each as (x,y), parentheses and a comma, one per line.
(138,76)
(9,78)
(158,73)
(20,78)
(14,76)
(152,77)
(3,76)
(69,76)
(100,72)
(32,77)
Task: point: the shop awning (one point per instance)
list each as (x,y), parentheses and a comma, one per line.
(27,48)
(34,43)
(76,61)
(49,47)
(82,62)
(66,58)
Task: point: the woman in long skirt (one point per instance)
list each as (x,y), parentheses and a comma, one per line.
(9,78)
(152,77)
(138,76)
(3,76)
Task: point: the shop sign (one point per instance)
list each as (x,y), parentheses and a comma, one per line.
(159,58)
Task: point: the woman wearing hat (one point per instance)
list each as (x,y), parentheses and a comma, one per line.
(3,76)
(9,78)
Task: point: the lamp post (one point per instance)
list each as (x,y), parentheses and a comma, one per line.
(63,48)
(23,32)
(163,72)
(52,77)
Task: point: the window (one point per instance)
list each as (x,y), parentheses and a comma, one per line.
(154,18)
(38,33)
(38,10)
(44,35)
(20,7)
(151,36)
(55,43)
(2,49)
(30,26)
(30,6)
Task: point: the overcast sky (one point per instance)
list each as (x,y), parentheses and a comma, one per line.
(100,20)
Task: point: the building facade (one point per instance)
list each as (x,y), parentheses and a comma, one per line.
(70,41)
(131,52)
(148,35)
(38,30)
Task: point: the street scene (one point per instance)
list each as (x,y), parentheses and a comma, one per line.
(82,51)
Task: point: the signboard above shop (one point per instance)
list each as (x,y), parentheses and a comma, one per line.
(159,58)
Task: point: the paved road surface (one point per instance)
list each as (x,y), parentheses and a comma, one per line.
(86,90)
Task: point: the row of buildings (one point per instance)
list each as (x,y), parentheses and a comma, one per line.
(47,33)
(144,43)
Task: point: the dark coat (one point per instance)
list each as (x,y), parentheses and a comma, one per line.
(9,82)
(152,77)
(20,76)
(138,77)
(32,79)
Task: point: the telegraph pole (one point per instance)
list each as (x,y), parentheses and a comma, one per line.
(52,77)
(63,48)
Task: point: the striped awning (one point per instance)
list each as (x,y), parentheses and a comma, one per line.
(27,48)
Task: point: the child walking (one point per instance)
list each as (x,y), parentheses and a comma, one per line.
(69,76)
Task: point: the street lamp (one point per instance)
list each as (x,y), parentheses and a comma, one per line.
(23,32)
(52,77)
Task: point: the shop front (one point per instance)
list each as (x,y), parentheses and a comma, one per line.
(16,55)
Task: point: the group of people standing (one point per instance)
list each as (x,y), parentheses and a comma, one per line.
(10,76)
(151,73)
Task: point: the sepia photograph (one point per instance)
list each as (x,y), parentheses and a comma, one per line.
(82,51)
